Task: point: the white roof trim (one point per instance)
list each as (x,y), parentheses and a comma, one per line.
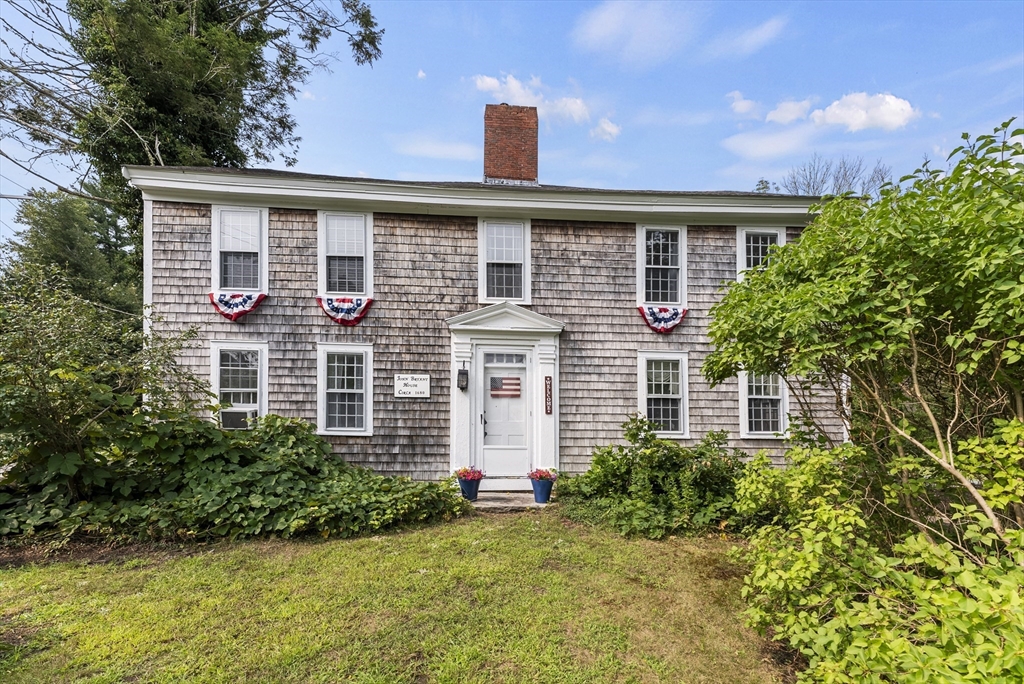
(504,317)
(219,187)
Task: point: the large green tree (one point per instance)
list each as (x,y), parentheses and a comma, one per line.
(914,302)
(95,84)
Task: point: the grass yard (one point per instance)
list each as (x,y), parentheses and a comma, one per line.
(491,598)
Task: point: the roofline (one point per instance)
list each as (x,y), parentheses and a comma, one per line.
(299,190)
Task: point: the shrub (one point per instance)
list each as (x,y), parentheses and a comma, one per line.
(866,605)
(653,487)
(187,478)
(81,452)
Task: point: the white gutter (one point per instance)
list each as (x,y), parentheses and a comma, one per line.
(208,187)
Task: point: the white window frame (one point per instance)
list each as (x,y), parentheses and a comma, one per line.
(321,239)
(645,355)
(322,350)
(217,346)
(264,284)
(745,432)
(641,265)
(482,261)
(741,244)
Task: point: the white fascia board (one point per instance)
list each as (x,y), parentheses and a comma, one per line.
(178,185)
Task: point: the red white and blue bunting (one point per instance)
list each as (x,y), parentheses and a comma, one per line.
(661,319)
(234,306)
(345,310)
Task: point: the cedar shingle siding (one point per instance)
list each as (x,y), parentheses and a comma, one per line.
(425,270)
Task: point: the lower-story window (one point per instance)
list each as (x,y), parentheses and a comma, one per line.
(239,379)
(763,405)
(345,389)
(662,390)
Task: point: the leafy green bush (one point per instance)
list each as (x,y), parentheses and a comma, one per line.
(653,487)
(864,605)
(187,478)
(81,452)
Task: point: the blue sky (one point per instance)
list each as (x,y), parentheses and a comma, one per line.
(688,96)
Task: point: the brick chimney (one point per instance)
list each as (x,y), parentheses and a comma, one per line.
(510,145)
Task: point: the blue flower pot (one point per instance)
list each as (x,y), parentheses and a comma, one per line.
(542,490)
(470,488)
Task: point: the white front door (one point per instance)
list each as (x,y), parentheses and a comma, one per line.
(505,415)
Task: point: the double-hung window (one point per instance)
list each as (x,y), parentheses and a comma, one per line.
(662,391)
(239,257)
(661,266)
(346,253)
(504,269)
(762,405)
(345,389)
(239,379)
(753,246)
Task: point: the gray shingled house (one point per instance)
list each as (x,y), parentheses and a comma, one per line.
(425,326)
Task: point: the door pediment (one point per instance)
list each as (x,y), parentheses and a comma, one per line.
(504,318)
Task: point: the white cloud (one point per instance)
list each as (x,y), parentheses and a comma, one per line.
(789,111)
(421,74)
(513,91)
(306,95)
(858,111)
(747,42)
(605,130)
(769,144)
(639,34)
(741,106)
(423,146)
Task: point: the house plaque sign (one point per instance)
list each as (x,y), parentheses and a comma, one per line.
(547,394)
(412,385)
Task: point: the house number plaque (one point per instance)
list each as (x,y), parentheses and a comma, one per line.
(547,394)
(412,385)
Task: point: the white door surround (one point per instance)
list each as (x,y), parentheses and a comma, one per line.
(509,343)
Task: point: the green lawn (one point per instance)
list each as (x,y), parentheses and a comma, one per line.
(496,598)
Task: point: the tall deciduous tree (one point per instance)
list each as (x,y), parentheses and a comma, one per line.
(916,301)
(101,83)
(821,176)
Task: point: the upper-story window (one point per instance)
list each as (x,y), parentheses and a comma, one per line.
(504,261)
(346,253)
(239,254)
(661,265)
(762,405)
(753,246)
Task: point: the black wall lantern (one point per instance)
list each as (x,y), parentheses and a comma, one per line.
(463,380)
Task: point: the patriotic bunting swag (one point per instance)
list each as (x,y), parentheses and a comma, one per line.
(234,306)
(662,319)
(344,310)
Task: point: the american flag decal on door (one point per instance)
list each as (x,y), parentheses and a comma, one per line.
(505,387)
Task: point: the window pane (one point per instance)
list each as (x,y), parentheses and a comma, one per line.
(345,410)
(239,377)
(505,242)
(505,281)
(240,270)
(664,413)
(240,231)
(764,415)
(663,248)
(344,274)
(662,285)
(505,358)
(346,235)
(663,378)
(758,245)
(764,386)
(345,372)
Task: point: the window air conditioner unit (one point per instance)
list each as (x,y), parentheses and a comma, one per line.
(235,419)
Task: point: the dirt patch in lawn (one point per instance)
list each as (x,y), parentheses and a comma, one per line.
(94,551)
